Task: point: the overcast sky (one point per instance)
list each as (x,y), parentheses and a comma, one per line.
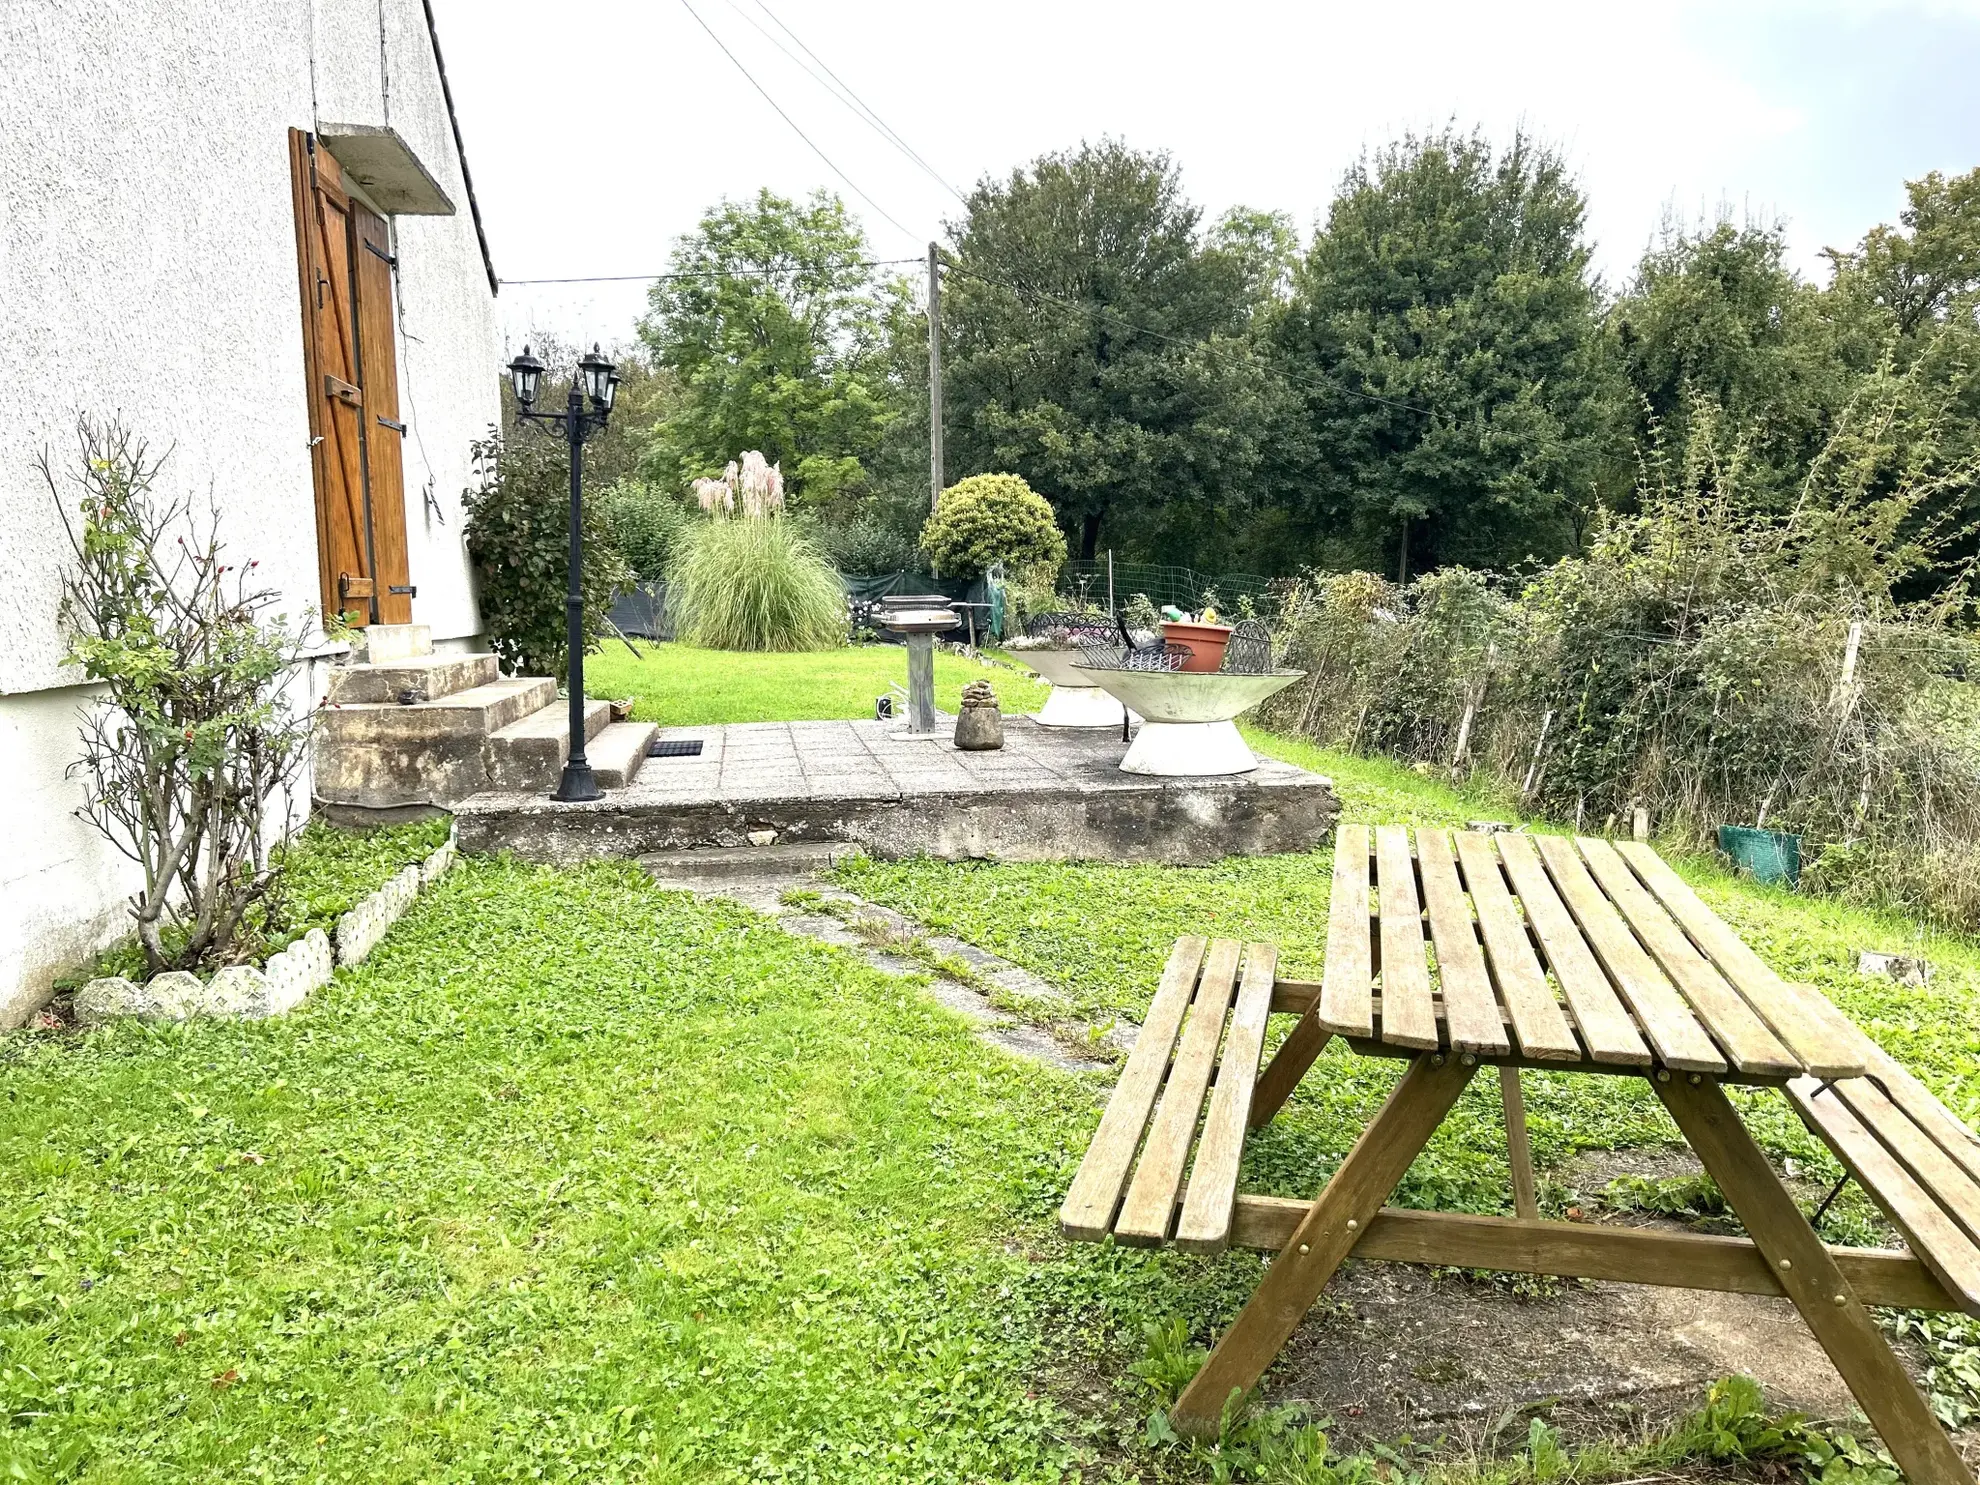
(599,132)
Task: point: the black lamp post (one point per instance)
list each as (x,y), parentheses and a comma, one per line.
(597,380)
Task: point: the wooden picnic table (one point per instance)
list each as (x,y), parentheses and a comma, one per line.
(1582,956)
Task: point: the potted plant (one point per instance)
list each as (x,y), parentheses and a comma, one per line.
(1202,636)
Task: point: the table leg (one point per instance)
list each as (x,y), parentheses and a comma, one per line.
(1330,1229)
(1306,1041)
(1808,1273)
(1519,1150)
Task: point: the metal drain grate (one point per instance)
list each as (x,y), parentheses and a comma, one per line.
(684,747)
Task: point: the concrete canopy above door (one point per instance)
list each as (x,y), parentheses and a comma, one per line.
(378,160)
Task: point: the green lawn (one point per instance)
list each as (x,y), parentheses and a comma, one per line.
(577,1179)
(679,685)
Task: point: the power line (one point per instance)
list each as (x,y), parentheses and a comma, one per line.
(628,278)
(765,92)
(843,91)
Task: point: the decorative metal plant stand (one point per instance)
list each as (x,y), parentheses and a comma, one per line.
(1189,718)
(1074,700)
(920,626)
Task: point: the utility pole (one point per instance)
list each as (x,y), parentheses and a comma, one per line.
(934,376)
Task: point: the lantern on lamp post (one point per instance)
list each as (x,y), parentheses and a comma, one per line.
(596,382)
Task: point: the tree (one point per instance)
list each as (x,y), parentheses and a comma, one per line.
(1096,346)
(1443,338)
(776,329)
(1921,277)
(1716,319)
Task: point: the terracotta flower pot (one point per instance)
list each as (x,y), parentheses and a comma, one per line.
(1205,641)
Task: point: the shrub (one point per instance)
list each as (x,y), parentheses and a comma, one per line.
(645,524)
(754,583)
(518,538)
(191,748)
(869,544)
(1692,663)
(991,518)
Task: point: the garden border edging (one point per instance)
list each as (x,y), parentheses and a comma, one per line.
(285,981)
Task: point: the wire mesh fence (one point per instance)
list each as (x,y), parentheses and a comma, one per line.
(1182,586)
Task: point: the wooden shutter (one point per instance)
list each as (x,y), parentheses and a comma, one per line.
(351,374)
(378,368)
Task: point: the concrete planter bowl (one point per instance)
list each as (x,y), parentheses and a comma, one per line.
(1190,718)
(1074,701)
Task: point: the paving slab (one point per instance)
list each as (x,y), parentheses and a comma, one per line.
(1046,795)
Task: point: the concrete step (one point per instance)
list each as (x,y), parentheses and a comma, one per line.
(717,864)
(382,757)
(423,678)
(529,754)
(617,752)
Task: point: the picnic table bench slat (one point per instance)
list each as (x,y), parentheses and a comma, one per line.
(1827,1044)
(1347,980)
(1918,1101)
(1956,1192)
(1407,1017)
(1471,1015)
(1603,1022)
(1205,1224)
(1668,1023)
(1151,1196)
(1937,1240)
(1088,1212)
(1733,1023)
(1539,1024)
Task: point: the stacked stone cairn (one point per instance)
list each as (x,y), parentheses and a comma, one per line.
(242,991)
(979,725)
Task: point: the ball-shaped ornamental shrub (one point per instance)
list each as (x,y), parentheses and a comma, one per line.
(992,518)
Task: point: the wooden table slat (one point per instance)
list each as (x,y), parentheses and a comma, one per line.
(1407,1017)
(1673,1032)
(1471,1015)
(1539,1024)
(1151,1196)
(1604,1024)
(1937,1240)
(1088,1212)
(1205,1223)
(1825,1041)
(1347,982)
(1954,1190)
(1733,1023)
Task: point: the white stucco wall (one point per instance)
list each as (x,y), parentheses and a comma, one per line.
(148,270)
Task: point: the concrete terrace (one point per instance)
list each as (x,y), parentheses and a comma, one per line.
(1048,794)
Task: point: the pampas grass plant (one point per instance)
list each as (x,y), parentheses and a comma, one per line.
(752,580)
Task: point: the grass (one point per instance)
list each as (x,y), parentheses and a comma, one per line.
(679,685)
(576,1179)
(573,1179)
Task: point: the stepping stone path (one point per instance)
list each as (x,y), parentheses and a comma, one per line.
(1048,1031)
